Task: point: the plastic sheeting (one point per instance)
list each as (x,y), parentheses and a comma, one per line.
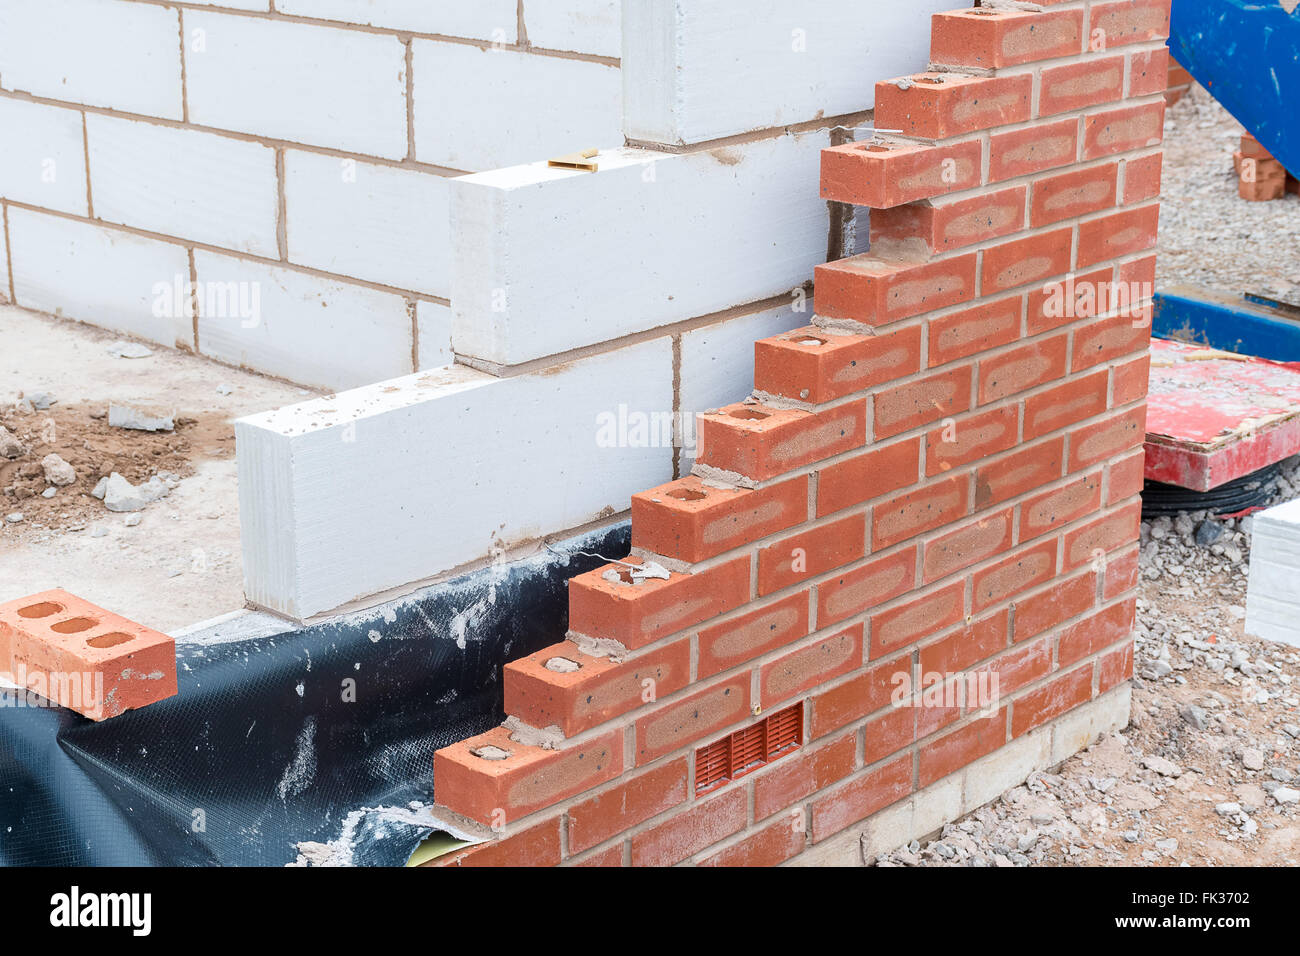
(320,734)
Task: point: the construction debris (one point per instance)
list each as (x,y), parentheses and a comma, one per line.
(125,416)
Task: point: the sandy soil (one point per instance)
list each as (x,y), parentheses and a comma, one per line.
(180,564)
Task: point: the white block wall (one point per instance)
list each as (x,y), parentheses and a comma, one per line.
(42,161)
(549,260)
(696,71)
(1272,597)
(398,482)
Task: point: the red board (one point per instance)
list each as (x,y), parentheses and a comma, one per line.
(1214,416)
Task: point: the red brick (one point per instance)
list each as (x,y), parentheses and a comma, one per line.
(1042,611)
(978,738)
(598,691)
(536,846)
(1026,568)
(1120,573)
(812,552)
(889,733)
(864,694)
(1126,476)
(1148,72)
(1051,700)
(771,846)
(692,521)
(693,718)
(976,436)
(975,329)
(690,831)
(774,625)
(928,507)
(1107,438)
(633,801)
(1123,129)
(1076,86)
(1062,405)
(1107,339)
(860,797)
(875,291)
(967,647)
(761,443)
(613,856)
(1023,261)
(1021,471)
(804,773)
(1053,510)
(1129,21)
(639,614)
(1108,626)
(1033,364)
(1017,668)
(1142,177)
(816,366)
(1131,380)
(874,583)
(900,408)
(942,105)
(1062,301)
(879,471)
(989,534)
(810,666)
(528,779)
(988,39)
(1033,149)
(1087,543)
(926,228)
(883,173)
(1119,234)
(83,657)
(1075,193)
(919,618)
(1115,668)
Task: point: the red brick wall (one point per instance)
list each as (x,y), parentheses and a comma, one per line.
(939,476)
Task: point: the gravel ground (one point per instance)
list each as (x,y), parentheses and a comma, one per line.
(1208,235)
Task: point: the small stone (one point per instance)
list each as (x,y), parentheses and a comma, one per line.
(131,521)
(1208,532)
(1132,836)
(121,495)
(98,531)
(14,517)
(129,350)
(1167,846)
(49,492)
(10,446)
(1166,768)
(57,471)
(224,389)
(1196,716)
(1227,809)
(40,401)
(1252,758)
(124,416)
(1286,795)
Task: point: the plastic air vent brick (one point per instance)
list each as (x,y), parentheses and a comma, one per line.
(746,750)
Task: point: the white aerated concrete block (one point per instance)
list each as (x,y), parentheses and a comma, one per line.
(200,186)
(316,85)
(548,260)
(1273,592)
(4,263)
(578,26)
(368,221)
(379,488)
(481,109)
(308,329)
(126,56)
(433,330)
(493,20)
(697,70)
(42,156)
(717,361)
(104,276)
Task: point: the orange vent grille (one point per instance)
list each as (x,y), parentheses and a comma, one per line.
(746,750)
